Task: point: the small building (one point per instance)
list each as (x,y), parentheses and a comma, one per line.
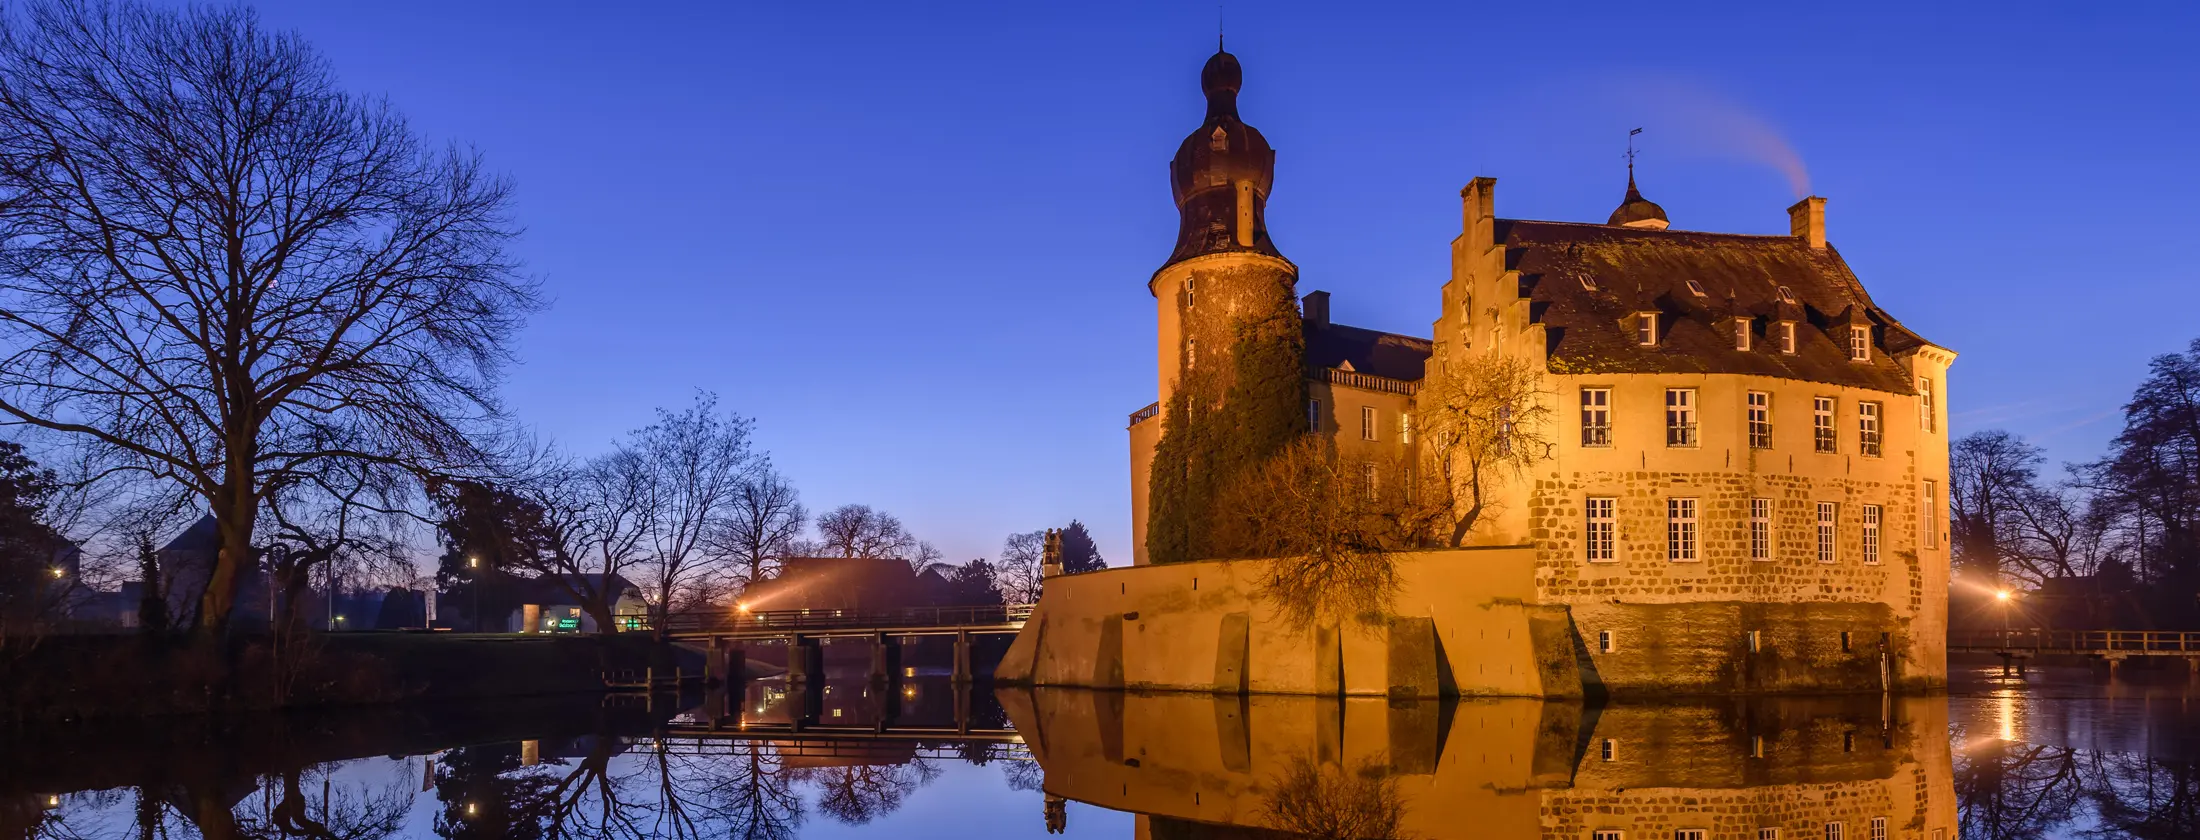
(548,604)
(846,583)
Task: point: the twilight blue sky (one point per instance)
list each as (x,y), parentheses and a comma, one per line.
(911,239)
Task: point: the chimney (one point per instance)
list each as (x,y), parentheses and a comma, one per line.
(1807,221)
(1316,308)
(1477,202)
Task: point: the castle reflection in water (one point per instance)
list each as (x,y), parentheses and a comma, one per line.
(926,757)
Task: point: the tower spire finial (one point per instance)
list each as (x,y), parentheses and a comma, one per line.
(1219,28)
(1631,158)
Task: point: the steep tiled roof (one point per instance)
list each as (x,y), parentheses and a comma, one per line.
(1382,354)
(1628,271)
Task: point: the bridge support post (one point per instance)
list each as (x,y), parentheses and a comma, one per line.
(2020,666)
(962,657)
(711,656)
(2005,660)
(798,660)
(882,660)
(962,708)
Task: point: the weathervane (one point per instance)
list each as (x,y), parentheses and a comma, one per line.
(1631,154)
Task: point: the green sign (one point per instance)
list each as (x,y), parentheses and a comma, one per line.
(569,624)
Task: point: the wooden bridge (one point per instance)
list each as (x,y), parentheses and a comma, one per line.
(2110,646)
(800,630)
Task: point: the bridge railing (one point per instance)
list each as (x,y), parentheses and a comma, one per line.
(2082,641)
(739,621)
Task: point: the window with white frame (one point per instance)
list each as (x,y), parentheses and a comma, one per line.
(1691,834)
(1596,417)
(1314,416)
(1607,834)
(1929,520)
(1860,344)
(1680,530)
(1785,295)
(1828,515)
(1867,429)
(1680,417)
(1871,534)
(1609,750)
(1367,482)
(1741,334)
(1696,288)
(1606,643)
(1188,285)
(1787,337)
(1822,436)
(1925,412)
(1646,329)
(1879,828)
(1759,413)
(1833,831)
(1599,529)
(1367,422)
(1760,529)
(1768,833)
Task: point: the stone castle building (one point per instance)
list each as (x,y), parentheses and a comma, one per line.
(1748,458)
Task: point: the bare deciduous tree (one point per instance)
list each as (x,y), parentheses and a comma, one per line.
(1329,524)
(1485,424)
(217,269)
(1020,571)
(763,525)
(864,531)
(694,464)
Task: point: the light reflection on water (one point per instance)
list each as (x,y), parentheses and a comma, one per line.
(2057,754)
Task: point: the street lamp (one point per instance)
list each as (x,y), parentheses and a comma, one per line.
(473,562)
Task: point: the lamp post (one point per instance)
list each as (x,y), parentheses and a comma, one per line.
(473,564)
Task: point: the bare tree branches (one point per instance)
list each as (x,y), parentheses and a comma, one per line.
(1486,424)
(220,271)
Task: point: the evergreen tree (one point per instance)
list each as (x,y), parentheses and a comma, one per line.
(1079,553)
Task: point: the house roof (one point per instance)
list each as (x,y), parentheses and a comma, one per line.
(203,535)
(552,589)
(1586,282)
(1367,351)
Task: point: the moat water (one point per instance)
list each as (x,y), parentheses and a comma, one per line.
(2058,753)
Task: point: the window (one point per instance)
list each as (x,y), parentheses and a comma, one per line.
(1785,295)
(1191,353)
(1760,529)
(1848,740)
(1680,417)
(1314,416)
(1607,834)
(1828,513)
(1596,417)
(1367,482)
(1690,834)
(1760,420)
(1405,427)
(1821,424)
(1680,530)
(1867,429)
(1504,430)
(1871,535)
(1879,828)
(1741,334)
(1696,288)
(1609,750)
(1833,831)
(1925,418)
(1756,641)
(1604,642)
(1597,542)
(1930,518)
(1367,422)
(1189,284)
(1860,344)
(1787,337)
(1646,329)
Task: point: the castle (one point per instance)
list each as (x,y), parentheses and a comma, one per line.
(1743,450)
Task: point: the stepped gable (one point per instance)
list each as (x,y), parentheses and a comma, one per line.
(1635,270)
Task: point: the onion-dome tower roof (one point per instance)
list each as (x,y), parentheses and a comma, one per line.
(1210,164)
(1637,212)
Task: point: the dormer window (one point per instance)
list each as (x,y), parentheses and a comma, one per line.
(1219,141)
(1696,288)
(1741,334)
(1860,344)
(1786,296)
(1189,282)
(1646,329)
(1787,337)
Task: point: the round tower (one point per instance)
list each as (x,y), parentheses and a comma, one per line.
(1225,272)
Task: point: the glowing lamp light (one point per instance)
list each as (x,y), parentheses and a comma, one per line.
(471,809)
(741,607)
(53,800)
(473,562)
(58,572)
(2002,595)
